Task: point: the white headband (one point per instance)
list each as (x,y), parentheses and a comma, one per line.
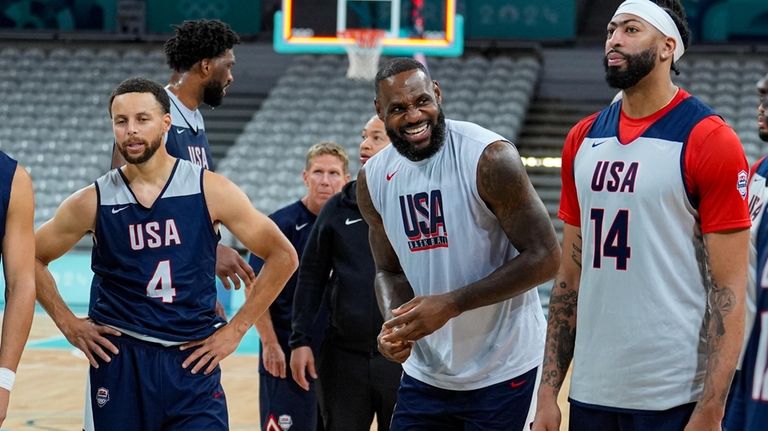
(657,17)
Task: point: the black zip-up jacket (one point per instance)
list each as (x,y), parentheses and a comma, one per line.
(338,257)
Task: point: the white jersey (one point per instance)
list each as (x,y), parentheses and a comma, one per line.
(641,329)
(446,238)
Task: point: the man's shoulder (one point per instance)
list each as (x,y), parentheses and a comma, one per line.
(469,131)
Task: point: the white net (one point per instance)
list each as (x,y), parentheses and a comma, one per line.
(364,54)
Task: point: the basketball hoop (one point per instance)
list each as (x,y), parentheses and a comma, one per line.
(364,53)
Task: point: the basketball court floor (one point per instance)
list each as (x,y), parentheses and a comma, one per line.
(50,383)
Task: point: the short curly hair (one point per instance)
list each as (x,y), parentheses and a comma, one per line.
(197,40)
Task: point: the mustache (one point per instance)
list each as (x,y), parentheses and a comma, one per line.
(615,51)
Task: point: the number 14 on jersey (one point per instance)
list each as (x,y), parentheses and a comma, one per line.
(616,242)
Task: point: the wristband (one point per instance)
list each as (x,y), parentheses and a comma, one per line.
(7,377)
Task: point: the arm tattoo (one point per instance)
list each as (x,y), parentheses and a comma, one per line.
(576,251)
(720,302)
(561,335)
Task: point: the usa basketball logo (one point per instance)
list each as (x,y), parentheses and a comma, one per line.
(285,422)
(102,396)
(424,221)
(741,183)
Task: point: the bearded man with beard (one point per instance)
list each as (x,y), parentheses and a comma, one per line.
(152,336)
(201,56)
(649,297)
(459,240)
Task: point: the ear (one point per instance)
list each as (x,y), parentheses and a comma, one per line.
(438,93)
(304,177)
(668,50)
(166,123)
(206,66)
(377,105)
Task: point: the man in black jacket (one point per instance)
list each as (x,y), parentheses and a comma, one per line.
(355,380)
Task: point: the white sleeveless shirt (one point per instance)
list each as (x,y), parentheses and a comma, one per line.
(446,238)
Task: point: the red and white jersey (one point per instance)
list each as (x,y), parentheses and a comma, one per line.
(446,237)
(644,192)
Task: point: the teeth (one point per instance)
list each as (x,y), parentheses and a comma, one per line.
(417,130)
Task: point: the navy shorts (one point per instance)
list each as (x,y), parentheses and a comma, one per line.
(500,407)
(145,388)
(585,417)
(283,404)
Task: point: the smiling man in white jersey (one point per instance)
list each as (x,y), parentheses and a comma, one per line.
(654,246)
(155,225)
(460,239)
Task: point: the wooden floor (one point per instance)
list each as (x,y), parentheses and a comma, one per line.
(50,384)
(50,387)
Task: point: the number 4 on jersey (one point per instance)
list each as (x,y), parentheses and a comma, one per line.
(160,286)
(616,241)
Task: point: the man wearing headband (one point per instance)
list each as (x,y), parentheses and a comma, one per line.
(654,246)
(746,411)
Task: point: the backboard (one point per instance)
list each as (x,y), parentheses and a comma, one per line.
(430,27)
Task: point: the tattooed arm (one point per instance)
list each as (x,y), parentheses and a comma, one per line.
(504,186)
(561,331)
(727,254)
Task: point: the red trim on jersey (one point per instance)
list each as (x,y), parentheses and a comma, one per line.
(569,202)
(712,162)
(632,128)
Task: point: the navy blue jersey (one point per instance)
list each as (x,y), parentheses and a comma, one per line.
(154,267)
(186,138)
(7,170)
(295,221)
(755,366)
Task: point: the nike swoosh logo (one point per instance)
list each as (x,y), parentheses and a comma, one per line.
(179,131)
(516,385)
(595,144)
(117,210)
(349,222)
(301,226)
(389,176)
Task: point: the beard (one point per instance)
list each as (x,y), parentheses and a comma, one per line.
(436,141)
(149,150)
(763,134)
(638,67)
(213,93)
